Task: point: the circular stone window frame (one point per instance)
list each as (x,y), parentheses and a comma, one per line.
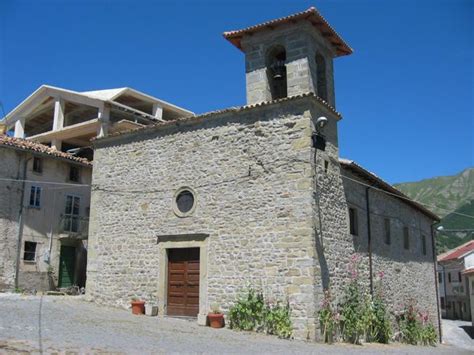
(176,210)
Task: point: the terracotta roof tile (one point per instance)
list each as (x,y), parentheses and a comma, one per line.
(312,15)
(457,252)
(28,145)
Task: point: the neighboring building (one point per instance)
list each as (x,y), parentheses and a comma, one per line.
(44,215)
(469,274)
(67,120)
(46,236)
(194,210)
(454,268)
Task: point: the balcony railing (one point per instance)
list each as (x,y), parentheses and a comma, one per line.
(74,225)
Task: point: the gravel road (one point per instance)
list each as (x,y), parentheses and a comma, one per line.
(48,324)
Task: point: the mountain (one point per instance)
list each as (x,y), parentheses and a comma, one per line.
(444,195)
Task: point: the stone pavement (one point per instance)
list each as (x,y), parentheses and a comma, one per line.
(459,333)
(47,324)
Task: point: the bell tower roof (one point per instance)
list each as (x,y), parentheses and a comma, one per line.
(311,15)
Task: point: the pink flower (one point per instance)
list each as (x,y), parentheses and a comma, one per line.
(381,274)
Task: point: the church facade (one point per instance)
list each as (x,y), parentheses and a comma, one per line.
(192,211)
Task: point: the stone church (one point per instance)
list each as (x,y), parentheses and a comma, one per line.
(191,211)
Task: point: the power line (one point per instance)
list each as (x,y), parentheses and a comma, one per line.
(249,176)
(46,182)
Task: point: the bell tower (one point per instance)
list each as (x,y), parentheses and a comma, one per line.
(290,56)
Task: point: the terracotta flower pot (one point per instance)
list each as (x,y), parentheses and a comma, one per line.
(216,320)
(138,307)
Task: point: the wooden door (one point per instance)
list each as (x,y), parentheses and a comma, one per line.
(67,266)
(183,282)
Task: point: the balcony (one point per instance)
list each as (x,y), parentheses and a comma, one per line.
(75,226)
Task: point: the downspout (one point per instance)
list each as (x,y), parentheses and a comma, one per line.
(369,240)
(433,248)
(20,221)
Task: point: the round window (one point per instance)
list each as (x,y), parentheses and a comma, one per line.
(184,202)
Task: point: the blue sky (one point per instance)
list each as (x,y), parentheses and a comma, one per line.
(406,93)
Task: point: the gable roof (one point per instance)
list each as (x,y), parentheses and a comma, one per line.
(458,252)
(34,147)
(378,182)
(312,15)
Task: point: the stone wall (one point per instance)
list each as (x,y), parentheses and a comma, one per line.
(10,196)
(272,213)
(252,172)
(408,274)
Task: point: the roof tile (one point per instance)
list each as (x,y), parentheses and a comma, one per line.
(28,145)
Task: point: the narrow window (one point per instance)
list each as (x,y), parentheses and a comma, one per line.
(326,166)
(387,231)
(440,277)
(276,72)
(353,222)
(321,77)
(35,196)
(406,238)
(449,277)
(423,244)
(37,165)
(442,303)
(74,173)
(29,253)
(71,214)
(459,276)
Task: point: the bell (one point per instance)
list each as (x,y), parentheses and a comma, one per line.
(278,69)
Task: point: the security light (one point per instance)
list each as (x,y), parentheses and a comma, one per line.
(321,122)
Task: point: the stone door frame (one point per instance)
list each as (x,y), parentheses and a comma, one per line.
(183,241)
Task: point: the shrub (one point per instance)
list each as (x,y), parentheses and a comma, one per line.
(328,319)
(353,314)
(277,320)
(414,326)
(252,312)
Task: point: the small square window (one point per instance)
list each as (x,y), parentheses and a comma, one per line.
(353,221)
(406,238)
(387,231)
(74,173)
(29,253)
(35,196)
(37,165)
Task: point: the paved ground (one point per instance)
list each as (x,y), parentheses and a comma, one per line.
(459,333)
(36,324)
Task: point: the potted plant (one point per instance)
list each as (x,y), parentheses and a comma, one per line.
(216,317)
(138,306)
(151,307)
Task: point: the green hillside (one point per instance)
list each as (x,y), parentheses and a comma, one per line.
(447,194)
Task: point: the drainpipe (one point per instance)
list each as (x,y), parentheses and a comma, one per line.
(20,220)
(369,240)
(433,248)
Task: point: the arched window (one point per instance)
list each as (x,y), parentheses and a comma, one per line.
(321,77)
(276,72)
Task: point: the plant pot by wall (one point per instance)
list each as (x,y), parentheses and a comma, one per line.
(216,320)
(138,307)
(151,310)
